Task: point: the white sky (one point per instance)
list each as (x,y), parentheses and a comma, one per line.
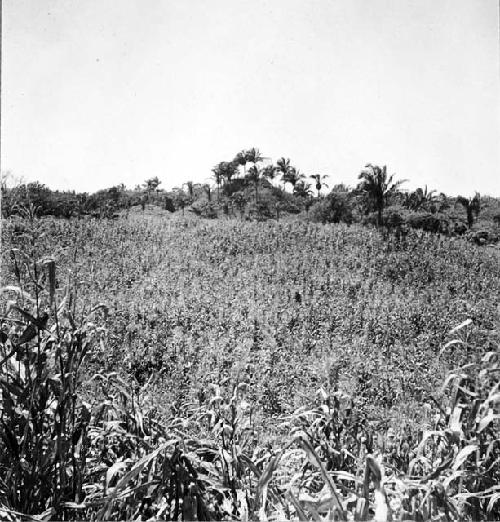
(99,92)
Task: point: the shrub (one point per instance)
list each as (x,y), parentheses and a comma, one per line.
(428,222)
(287,202)
(236,185)
(335,208)
(204,208)
(261,211)
(169,204)
(484,236)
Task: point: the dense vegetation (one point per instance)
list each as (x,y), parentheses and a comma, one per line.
(163,366)
(250,186)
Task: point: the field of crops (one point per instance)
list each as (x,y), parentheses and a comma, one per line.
(203,369)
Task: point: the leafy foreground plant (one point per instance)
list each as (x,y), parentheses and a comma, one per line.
(337,466)
(452,474)
(43,424)
(61,457)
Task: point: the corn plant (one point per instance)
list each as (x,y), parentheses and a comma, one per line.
(155,367)
(44,424)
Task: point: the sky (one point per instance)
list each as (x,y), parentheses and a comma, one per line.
(101,92)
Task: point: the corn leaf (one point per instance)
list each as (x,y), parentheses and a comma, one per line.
(314,459)
(463,454)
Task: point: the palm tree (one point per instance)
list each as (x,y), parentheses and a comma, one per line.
(427,197)
(229,170)
(190,187)
(241,159)
(319,182)
(378,187)
(293,176)
(420,198)
(269,172)
(254,156)
(283,166)
(254,176)
(218,177)
(472,207)
(208,191)
(443,202)
(151,185)
(302,189)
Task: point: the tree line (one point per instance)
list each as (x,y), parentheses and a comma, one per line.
(251,186)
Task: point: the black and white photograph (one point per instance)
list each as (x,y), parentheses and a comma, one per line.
(250,260)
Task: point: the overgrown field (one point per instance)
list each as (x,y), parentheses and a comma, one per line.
(260,370)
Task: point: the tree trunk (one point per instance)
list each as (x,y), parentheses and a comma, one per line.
(379,215)
(470,217)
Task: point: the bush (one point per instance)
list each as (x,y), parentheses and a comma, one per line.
(236,185)
(483,236)
(262,210)
(335,208)
(42,200)
(459,229)
(204,208)
(397,216)
(428,222)
(169,204)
